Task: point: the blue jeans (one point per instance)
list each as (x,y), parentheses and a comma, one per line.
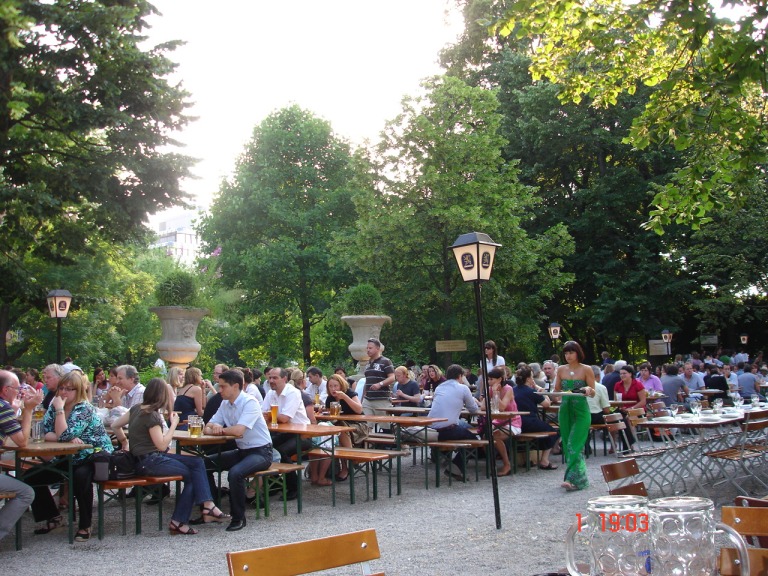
(241,463)
(191,468)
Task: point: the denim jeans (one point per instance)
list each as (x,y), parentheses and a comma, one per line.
(191,468)
(241,463)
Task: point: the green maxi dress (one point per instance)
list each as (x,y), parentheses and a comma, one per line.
(574,419)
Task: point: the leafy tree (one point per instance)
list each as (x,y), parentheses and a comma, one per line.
(275,221)
(709,77)
(86,122)
(440,173)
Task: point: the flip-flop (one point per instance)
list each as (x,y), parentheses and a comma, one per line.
(547,467)
(507,473)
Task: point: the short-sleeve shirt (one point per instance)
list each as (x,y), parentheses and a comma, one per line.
(410,388)
(245,411)
(376,371)
(9,425)
(633,393)
(139,424)
(345,408)
(83,423)
(289,402)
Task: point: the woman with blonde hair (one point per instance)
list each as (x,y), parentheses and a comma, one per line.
(339,391)
(190,399)
(70,418)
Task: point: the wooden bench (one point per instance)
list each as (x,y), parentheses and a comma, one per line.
(274,476)
(106,493)
(309,556)
(465,448)
(364,462)
(527,438)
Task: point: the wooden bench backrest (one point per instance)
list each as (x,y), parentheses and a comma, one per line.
(618,470)
(306,557)
(747,521)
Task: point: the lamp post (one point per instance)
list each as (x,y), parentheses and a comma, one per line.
(554,333)
(666,336)
(474,253)
(744,337)
(58,307)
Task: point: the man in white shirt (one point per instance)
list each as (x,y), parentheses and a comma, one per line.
(290,410)
(317,384)
(693,381)
(128,392)
(240,415)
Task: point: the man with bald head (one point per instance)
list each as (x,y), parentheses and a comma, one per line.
(19,432)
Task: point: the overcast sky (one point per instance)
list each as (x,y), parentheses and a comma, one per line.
(348,61)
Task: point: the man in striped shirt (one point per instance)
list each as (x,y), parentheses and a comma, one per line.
(379,376)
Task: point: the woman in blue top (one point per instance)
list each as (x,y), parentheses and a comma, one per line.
(70,418)
(574,417)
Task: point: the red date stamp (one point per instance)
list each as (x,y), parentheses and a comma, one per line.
(619,522)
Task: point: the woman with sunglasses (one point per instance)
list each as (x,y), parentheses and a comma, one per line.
(70,418)
(492,357)
(577,380)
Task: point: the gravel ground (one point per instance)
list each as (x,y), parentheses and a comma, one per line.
(421,532)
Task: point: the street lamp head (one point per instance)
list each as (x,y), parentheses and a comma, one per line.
(554,330)
(666,336)
(58,303)
(744,337)
(475,253)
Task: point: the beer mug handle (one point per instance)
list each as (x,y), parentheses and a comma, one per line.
(741,546)
(570,544)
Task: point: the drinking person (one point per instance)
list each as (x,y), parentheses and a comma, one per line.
(149,445)
(70,418)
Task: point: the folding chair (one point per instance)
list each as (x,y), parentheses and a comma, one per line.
(747,521)
(618,471)
(308,556)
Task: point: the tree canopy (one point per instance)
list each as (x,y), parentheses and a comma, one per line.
(708,68)
(86,123)
(276,220)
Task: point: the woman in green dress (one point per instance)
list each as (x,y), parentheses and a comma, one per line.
(574,417)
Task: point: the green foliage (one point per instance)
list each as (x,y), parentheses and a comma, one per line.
(709,77)
(439,172)
(362,299)
(294,182)
(177,289)
(86,123)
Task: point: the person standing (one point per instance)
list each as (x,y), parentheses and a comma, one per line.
(379,376)
(492,357)
(574,416)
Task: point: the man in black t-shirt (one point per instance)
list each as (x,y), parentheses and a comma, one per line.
(379,376)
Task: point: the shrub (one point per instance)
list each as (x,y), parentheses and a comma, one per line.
(179,288)
(362,299)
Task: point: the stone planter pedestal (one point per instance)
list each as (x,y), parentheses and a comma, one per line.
(178,346)
(363,327)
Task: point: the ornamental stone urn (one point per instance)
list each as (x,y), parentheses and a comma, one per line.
(363,327)
(178,346)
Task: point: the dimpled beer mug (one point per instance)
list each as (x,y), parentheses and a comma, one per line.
(615,534)
(683,537)
(195,426)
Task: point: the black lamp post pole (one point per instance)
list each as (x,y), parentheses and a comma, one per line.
(58,340)
(488,419)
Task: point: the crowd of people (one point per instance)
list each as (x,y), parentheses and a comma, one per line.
(237,403)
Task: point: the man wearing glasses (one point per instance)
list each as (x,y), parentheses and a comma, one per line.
(19,432)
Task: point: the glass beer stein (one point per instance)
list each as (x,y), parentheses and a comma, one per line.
(683,537)
(615,533)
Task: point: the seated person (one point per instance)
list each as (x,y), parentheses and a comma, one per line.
(149,445)
(502,427)
(70,418)
(407,389)
(339,391)
(19,432)
(528,400)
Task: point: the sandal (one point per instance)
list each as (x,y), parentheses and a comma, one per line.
(50,525)
(209,516)
(176,528)
(549,466)
(340,478)
(83,535)
(569,487)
